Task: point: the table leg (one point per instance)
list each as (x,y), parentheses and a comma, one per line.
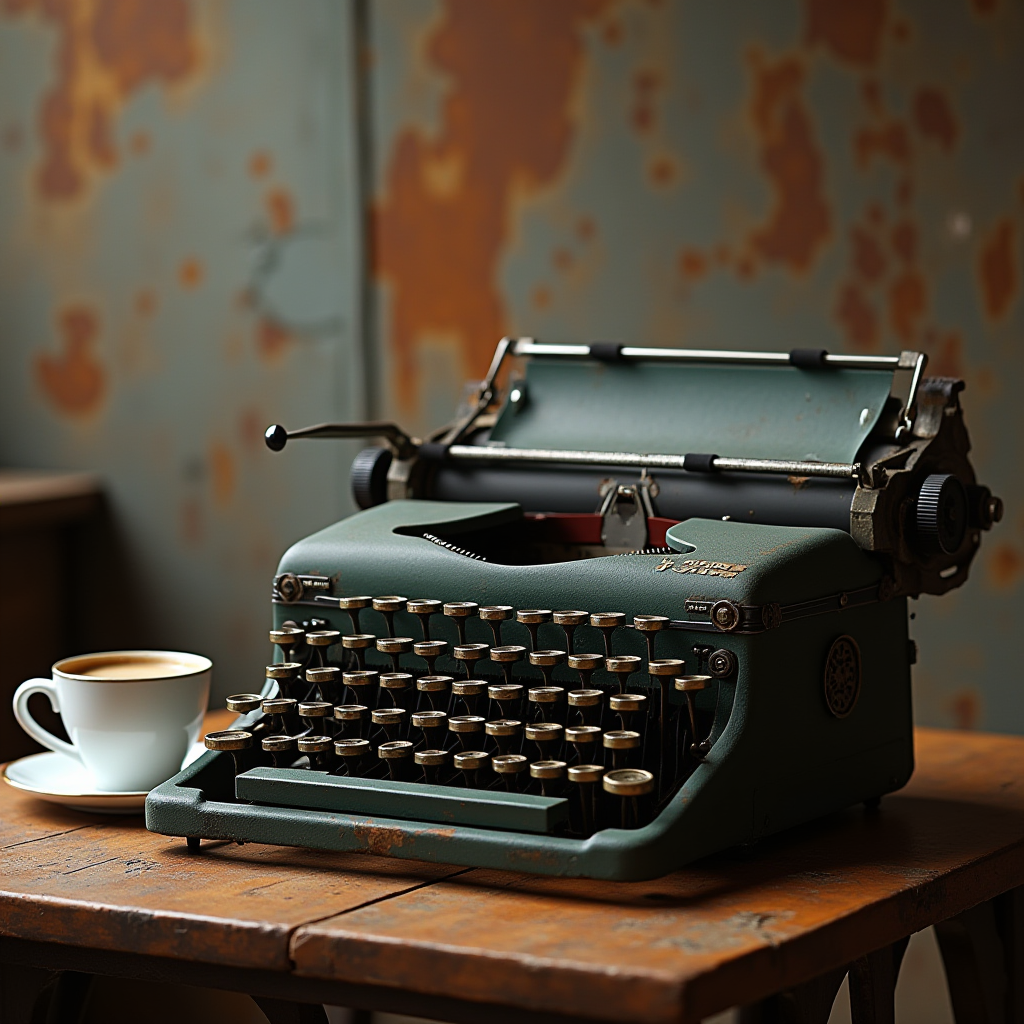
(810,1003)
(873,984)
(284,1011)
(983,953)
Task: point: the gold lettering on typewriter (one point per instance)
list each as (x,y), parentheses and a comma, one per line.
(700,567)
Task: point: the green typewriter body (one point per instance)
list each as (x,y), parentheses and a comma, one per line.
(556,640)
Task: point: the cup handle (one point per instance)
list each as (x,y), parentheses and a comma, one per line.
(31,726)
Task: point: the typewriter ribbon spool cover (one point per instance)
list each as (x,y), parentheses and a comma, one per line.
(788,640)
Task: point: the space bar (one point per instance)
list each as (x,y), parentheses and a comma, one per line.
(415,801)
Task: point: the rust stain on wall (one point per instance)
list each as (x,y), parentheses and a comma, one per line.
(857,317)
(965,707)
(272,340)
(439,236)
(106,51)
(190,273)
(190,522)
(998,270)
(1005,565)
(933,117)
(800,223)
(260,164)
(851,30)
(908,300)
(946,354)
(889,140)
(280,206)
(74,381)
(222,474)
(868,258)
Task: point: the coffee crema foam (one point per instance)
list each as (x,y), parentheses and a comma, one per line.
(131,668)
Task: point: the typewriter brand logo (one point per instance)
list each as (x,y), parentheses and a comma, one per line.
(700,567)
(842,676)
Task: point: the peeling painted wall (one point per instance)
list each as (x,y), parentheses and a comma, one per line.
(178,268)
(179,250)
(838,173)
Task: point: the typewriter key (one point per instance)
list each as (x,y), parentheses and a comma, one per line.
(469,762)
(533,619)
(494,615)
(663,670)
(353,754)
(620,742)
(507,696)
(629,784)
(397,685)
(288,639)
(585,664)
(583,739)
(430,651)
(395,647)
(585,777)
(650,626)
(587,705)
(361,685)
(354,605)
(469,692)
(690,686)
(436,688)
(432,761)
(234,741)
(320,640)
(327,681)
(357,644)
(353,718)
(433,726)
(281,748)
(506,733)
(388,606)
(546,661)
(607,622)
(550,774)
(547,736)
(317,749)
(507,657)
(469,655)
(397,754)
(569,620)
(460,611)
(243,703)
(423,609)
(628,706)
(391,720)
(281,711)
(510,767)
(546,701)
(287,675)
(467,729)
(315,713)
(623,665)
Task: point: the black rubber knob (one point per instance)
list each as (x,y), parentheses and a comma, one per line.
(276,437)
(369,476)
(941,516)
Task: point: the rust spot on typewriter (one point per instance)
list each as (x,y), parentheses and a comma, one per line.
(379,839)
(496,144)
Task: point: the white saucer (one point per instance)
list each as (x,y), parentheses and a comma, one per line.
(60,779)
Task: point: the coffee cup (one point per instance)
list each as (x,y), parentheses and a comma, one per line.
(132,716)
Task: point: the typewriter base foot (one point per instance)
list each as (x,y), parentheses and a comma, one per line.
(192,842)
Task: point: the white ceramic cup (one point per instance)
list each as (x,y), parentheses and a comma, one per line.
(132,715)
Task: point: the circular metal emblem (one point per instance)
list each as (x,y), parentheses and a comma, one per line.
(842,676)
(725,615)
(722,664)
(289,587)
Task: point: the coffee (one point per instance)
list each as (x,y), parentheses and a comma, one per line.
(131,668)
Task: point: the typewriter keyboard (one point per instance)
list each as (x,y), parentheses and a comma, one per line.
(580,740)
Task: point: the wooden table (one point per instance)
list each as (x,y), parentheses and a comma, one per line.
(775,926)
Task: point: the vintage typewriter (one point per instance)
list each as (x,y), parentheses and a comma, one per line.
(641,605)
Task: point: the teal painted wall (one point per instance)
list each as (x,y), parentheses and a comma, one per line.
(180,257)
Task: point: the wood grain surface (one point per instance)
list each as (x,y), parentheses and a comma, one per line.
(730,929)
